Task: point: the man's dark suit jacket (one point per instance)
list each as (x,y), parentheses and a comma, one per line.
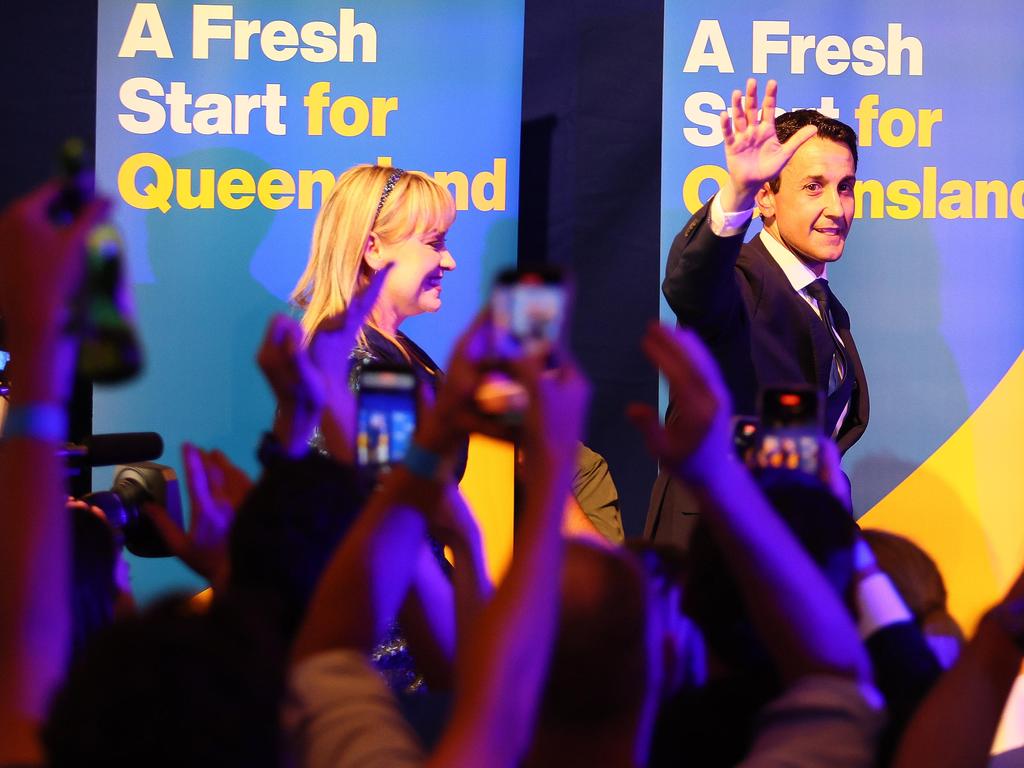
(761,332)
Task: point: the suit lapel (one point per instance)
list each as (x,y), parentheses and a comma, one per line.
(807,329)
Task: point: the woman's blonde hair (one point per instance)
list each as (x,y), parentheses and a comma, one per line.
(336,269)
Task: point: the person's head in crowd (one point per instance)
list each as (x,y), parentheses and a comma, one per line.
(920,584)
(603,669)
(171,687)
(373,216)
(286,531)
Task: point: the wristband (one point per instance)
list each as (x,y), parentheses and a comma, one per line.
(43,421)
(271,451)
(421,462)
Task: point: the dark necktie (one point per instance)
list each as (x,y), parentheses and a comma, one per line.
(818,290)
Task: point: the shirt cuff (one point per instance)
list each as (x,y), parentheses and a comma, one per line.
(879,604)
(728,223)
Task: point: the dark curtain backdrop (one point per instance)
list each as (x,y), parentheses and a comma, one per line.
(589,201)
(590,177)
(49,78)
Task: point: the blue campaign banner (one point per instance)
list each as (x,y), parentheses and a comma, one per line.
(932,273)
(220,128)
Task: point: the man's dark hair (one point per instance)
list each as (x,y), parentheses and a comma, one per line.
(828,128)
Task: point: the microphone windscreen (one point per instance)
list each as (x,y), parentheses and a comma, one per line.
(122,448)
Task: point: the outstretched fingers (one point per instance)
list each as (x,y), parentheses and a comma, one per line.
(727,133)
(739,118)
(771,93)
(750,102)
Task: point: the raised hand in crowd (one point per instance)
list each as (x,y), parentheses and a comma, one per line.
(501,676)
(330,351)
(753,154)
(802,622)
(298,386)
(40,265)
(506,647)
(216,489)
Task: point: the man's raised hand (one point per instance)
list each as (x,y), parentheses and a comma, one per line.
(753,154)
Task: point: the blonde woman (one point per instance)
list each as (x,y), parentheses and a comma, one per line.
(376,216)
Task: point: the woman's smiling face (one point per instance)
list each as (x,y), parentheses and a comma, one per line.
(413,285)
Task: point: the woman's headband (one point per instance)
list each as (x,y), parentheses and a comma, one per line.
(388,187)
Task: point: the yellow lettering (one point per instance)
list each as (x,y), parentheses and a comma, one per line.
(152,195)
(360,116)
(958,201)
(235,189)
(276,189)
(307,180)
(460,182)
(904,204)
(183,182)
(876,192)
(696,178)
(496,181)
(887,127)
(983,190)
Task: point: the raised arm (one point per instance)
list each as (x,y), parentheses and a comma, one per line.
(500,677)
(800,619)
(39,268)
(699,282)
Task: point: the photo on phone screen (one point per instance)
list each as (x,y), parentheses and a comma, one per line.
(528,310)
(790,432)
(386,416)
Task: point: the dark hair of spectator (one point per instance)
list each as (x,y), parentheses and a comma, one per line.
(598,672)
(917,579)
(171,688)
(286,531)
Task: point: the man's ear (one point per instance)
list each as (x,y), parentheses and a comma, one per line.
(765,200)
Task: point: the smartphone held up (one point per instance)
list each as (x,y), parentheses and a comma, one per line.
(790,431)
(529,308)
(385,416)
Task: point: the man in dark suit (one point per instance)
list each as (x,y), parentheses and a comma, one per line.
(764,308)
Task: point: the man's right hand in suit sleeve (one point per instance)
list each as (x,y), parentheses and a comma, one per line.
(753,154)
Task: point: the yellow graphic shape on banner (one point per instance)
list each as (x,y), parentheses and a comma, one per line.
(965,504)
(488,487)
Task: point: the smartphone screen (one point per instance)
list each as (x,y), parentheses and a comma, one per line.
(386,418)
(791,430)
(528,312)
